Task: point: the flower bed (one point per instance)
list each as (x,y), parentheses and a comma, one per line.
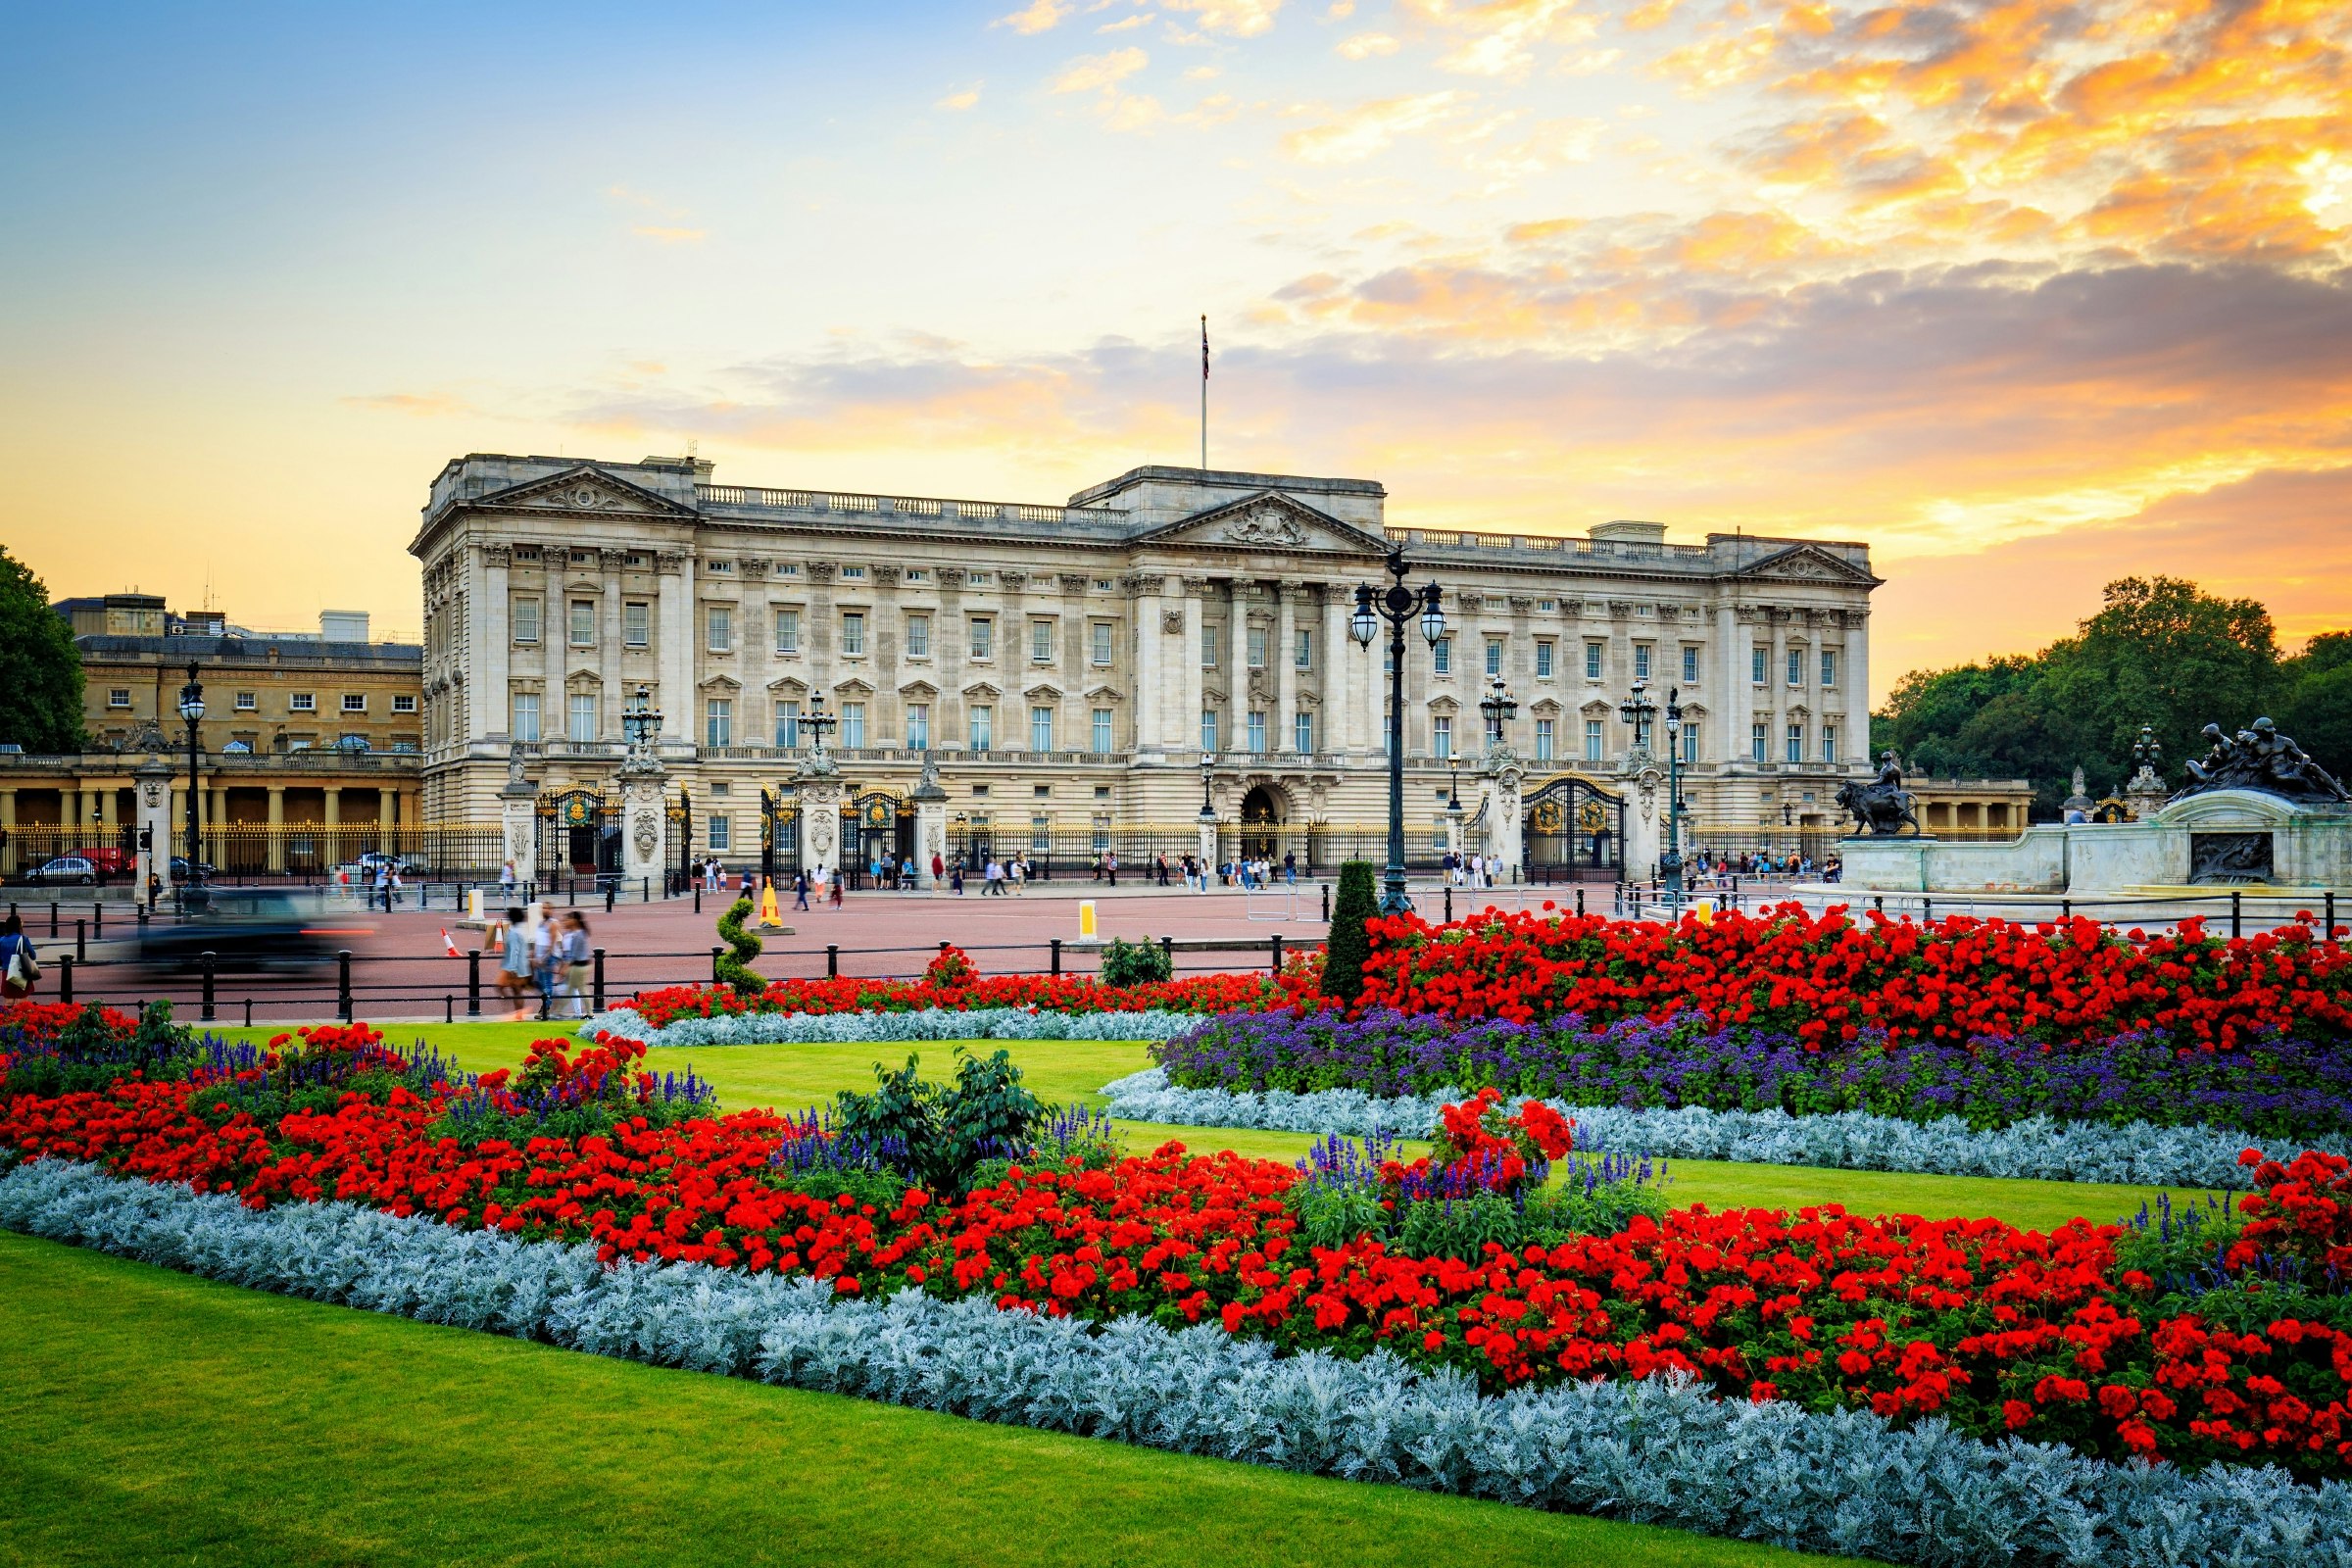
(2275,1086)
(2084,1334)
(885,1027)
(2038,1147)
(1824,979)
(1657,1450)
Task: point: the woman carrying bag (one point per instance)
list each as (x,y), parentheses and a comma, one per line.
(20,965)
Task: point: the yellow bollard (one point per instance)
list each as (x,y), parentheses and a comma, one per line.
(1086,921)
(1705,908)
(770,914)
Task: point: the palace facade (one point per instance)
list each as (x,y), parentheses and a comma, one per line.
(1067,668)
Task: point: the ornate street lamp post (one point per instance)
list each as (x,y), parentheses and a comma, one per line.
(816,721)
(1499,708)
(191,708)
(1397,604)
(640,721)
(1640,711)
(1208,771)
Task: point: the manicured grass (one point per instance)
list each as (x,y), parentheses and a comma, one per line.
(1060,1071)
(157,1418)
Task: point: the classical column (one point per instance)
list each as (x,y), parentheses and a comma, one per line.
(951,642)
(1286,668)
(677,632)
(383,818)
(1186,732)
(609,696)
(1856,678)
(8,822)
(494,705)
(1144,593)
(216,819)
(1776,681)
(276,850)
(1331,674)
(1731,685)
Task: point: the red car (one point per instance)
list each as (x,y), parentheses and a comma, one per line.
(112,862)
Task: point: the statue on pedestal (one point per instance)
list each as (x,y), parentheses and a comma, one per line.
(2263,761)
(1883,807)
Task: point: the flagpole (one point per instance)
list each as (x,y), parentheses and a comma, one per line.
(1205,393)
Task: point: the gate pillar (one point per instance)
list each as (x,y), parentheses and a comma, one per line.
(517,819)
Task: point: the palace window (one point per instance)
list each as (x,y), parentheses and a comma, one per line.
(1102,738)
(918,726)
(853,724)
(1101,633)
(1212,634)
(1441,736)
(249,702)
(1041,835)
(1689,742)
(525,617)
(853,634)
(1796,743)
(1041,642)
(402,701)
(1208,729)
(1796,666)
(788,722)
(1758,672)
(302,703)
(718,624)
(918,636)
(1104,585)
(117,697)
(722,833)
(527,717)
(1040,728)
(1257,647)
(919,575)
(1302,734)
(1545,648)
(984,637)
(1689,666)
(355,701)
(788,631)
(1593,740)
(1303,655)
(979,579)
(1441,655)
(1829,666)
(1493,656)
(636,623)
(1641,661)
(1256,732)
(582,726)
(853,574)
(718,721)
(981,727)
(583,623)
(1758,742)
(1829,743)
(1593,661)
(1543,740)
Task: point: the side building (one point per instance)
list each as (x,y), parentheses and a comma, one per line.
(309,752)
(1069,679)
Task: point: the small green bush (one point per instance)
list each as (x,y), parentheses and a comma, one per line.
(1134,963)
(944,1132)
(734,967)
(1350,943)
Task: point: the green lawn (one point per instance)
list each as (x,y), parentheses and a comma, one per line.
(793,1077)
(160,1419)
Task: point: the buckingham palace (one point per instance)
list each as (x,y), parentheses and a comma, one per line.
(1168,646)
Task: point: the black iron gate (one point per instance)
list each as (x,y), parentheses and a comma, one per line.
(877,831)
(779,834)
(1574,828)
(579,835)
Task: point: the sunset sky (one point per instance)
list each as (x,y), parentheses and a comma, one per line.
(2028,295)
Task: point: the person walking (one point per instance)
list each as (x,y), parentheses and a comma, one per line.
(515,960)
(800,891)
(1016,875)
(835,886)
(577,963)
(505,882)
(1290,867)
(1159,864)
(19,964)
(939,870)
(955,877)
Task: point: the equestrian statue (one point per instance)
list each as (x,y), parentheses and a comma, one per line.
(1882,806)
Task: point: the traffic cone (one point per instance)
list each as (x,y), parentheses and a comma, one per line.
(449,946)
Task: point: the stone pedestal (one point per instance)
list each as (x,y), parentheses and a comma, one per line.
(1644,790)
(645,820)
(152,779)
(821,818)
(930,822)
(1208,845)
(518,822)
(1505,830)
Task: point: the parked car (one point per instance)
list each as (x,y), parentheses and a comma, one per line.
(65,868)
(363,871)
(246,931)
(111,860)
(181,871)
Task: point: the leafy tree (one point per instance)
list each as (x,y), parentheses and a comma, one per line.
(40,668)
(2314,700)
(1350,943)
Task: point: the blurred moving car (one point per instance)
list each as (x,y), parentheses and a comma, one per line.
(247,931)
(65,868)
(111,860)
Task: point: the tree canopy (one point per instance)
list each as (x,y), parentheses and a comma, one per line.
(40,668)
(2160,652)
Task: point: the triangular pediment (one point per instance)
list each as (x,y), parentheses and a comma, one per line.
(981,688)
(1105,692)
(584,490)
(1268,523)
(853,687)
(1806,564)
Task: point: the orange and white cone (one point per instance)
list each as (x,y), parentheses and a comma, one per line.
(451,948)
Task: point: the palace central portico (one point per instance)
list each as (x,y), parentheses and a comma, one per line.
(1065,669)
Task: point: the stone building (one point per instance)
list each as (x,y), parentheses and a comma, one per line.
(1065,669)
(307,746)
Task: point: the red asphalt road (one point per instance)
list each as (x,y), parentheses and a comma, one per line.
(400,969)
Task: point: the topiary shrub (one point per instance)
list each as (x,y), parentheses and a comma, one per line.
(734,968)
(1134,963)
(939,1133)
(1351,943)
